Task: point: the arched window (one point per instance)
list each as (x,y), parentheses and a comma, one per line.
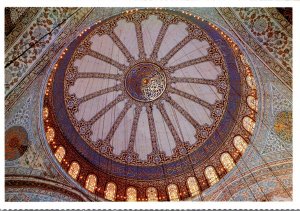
(60,153)
(248,124)
(240,144)
(50,134)
(250,81)
(152,194)
(110,191)
(193,186)
(74,170)
(173,192)
(131,194)
(91,183)
(227,161)
(211,175)
(45,113)
(252,103)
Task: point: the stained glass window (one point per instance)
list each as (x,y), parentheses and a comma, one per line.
(110,191)
(173,192)
(60,153)
(211,175)
(248,124)
(91,182)
(193,186)
(252,102)
(152,194)
(250,81)
(240,144)
(227,161)
(50,134)
(74,170)
(45,112)
(131,194)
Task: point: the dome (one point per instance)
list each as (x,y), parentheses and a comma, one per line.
(150,105)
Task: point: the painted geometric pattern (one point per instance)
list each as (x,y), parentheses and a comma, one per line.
(34,195)
(43,62)
(241,29)
(14,30)
(33,42)
(269,33)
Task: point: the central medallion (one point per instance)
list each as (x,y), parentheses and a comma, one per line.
(145,82)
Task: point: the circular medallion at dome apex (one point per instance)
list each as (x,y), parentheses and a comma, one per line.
(145,82)
(149,97)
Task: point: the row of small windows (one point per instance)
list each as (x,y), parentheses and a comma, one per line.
(238,141)
(152,195)
(252,102)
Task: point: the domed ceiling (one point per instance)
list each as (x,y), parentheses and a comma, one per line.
(150,105)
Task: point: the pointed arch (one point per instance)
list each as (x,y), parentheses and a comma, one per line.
(248,124)
(240,144)
(211,175)
(131,194)
(60,153)
(91,183)
(110,191)
(74,170)
(193,186)
(173,194)
(252,103)
(227,161)
(151,193)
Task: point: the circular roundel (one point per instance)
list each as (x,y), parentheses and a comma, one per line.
(16,142)
(283,125)
(145,82)
(150,99)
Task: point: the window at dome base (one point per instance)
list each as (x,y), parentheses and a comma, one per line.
(252,102)
(173,192)
(193,186)
(152,194)
(249,124)
(74,170)
(50,134)
(211,175)
(131,194)
(45,112)
(227,161)
(110,191)
(91,183)
(60,153)
(240,144)
(250,81)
